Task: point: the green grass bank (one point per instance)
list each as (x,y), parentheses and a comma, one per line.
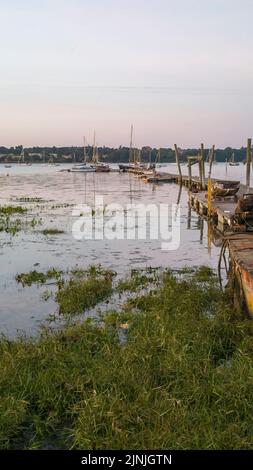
(172,370)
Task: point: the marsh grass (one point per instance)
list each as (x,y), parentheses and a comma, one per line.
(138,279)
(36,277)
(52,231)
(11,224)
(182,380)
(10,210)
(84,289)
(28,199)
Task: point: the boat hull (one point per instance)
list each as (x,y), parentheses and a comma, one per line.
(90,170)
(102,169)
(83,169)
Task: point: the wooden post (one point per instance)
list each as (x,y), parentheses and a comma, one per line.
(202,153)
(200,173)
(209,197)
(248,162)
(211,160)
(178,163)
(190,173)
(209,192)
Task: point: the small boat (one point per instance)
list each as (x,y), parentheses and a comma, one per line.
(131,163)
(124,167)
(98,166)
(146,174)
(7,166)
(83,168)
(232,161)
(159,178)
(102,168)
(225,189)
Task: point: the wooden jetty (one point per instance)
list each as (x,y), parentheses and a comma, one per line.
(234,222)
(233,217)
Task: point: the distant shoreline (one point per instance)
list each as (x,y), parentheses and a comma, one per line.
(73,155)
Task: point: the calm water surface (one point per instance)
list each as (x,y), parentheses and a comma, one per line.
(23,309)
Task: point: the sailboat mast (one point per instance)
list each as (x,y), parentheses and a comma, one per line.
(94,148)
(158,156)
(22,155)
(84,151)
(131,145)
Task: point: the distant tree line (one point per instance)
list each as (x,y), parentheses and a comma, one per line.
(110,155)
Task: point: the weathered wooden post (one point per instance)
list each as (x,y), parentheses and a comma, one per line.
(209,192)
(190,173)
(248,162)
(202,153)
(178,163)
(200,172)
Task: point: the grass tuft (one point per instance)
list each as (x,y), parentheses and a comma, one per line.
(36,277)
(84,289)
(10,210)
(52,231)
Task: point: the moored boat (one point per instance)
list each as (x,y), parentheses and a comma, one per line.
(83,167)
(232,161)
(159,178)
(102,168)
(223,189)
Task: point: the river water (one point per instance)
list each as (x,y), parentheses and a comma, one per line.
(23,309)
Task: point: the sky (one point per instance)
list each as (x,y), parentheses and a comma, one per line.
(180,71)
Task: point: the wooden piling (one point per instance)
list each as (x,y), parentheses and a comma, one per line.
(178,163)
(201,173)
(202,153)
(248,163)
(209,193)
(211,160)
(190,174)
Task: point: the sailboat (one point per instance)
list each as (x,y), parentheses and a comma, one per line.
(158,159)
(83,167)
(124,166)
(150,158)
(99,166)
(232,161)
(7,165)
(51,161)
(44,158)
(22,157)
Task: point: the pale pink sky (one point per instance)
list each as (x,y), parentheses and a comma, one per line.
(179,71)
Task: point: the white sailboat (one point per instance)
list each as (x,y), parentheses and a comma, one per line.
(232,161)
(127,166)
(84,167)
(99,166)
(22,157)
(158,159)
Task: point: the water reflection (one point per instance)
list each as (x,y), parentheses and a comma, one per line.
(24,308)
